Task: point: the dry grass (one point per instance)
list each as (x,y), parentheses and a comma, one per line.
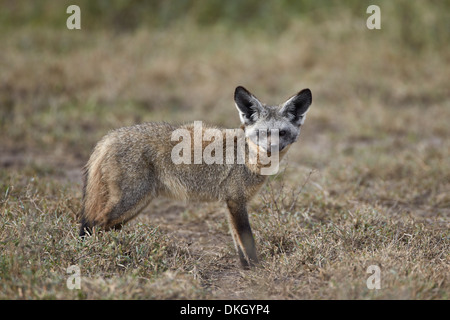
(367,184)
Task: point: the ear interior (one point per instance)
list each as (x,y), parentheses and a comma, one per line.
(295,108)
(247,104)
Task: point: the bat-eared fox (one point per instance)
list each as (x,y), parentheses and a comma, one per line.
(131,166)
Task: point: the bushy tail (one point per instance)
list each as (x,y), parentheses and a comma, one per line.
(85,227)
(94,192)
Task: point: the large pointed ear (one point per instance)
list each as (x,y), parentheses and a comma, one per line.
(296,107)
(247,104)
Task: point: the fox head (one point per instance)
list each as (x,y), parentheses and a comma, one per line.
(272,127)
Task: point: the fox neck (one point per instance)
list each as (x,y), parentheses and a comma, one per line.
(262,162)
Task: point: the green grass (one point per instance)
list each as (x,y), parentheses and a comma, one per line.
(368,183)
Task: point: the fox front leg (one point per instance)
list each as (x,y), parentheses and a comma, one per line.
(242,233)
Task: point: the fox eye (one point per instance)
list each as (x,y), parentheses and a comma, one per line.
(282,133)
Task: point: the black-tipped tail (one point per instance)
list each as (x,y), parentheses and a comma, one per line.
(85,229)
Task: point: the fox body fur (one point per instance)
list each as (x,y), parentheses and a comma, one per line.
(131,166)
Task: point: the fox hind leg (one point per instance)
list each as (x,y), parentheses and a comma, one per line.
(116,217)
(121,213)
(122,202)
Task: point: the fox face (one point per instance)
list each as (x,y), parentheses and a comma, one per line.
(272,128)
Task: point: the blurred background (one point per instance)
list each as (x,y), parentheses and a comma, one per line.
(381,98)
